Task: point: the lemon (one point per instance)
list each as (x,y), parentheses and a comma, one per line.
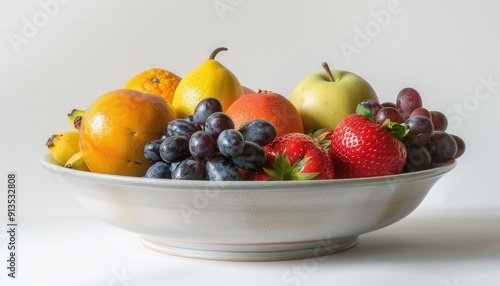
(209,79)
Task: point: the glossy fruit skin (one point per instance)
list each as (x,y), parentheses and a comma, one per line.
(209,79)
(418,158)
(218,122)
(407,100)
(231,143)
(299,147)
(174,149)
(442,147)
(117,126)
(420,125)
(202,145)
(270,106)
(190,169)
(204,109)
(362,148)
(222,169)
(323,103)
(388,113)
(439,120)
(181,127)
(159,170)
(259,131)
(152,150)
(252,158)
(460,146)
(155,81)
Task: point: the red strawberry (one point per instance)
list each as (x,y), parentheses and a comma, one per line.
(259,175)
(362,148)
(296,156)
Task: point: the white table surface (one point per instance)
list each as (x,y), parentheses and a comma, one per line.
(425,248)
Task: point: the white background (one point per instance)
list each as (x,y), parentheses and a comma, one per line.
(60,55)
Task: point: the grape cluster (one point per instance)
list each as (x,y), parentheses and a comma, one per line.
(205,146)
(428,144)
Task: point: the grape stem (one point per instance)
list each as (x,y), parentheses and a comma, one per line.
(328,71)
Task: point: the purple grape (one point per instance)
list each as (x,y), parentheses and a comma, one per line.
(421,111)
(372,105)
(174,149)
(204,109)
(442,147)
(159,170)
(259,131)
(190,169)
(388,104)
(222,169)
(420,129)
(460,146)
(418,158)
(181,127)
(152,150)
(173,166)
(218,122)
(439,120)
(189,118)
(252,158)
(165,135)
(407,101)
(231,143)
(202,145)
(388,113)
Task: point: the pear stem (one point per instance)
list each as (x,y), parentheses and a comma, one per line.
(328,71)
(215,52)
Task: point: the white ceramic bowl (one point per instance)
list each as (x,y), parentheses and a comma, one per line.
(249,221)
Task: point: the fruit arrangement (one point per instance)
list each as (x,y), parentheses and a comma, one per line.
(207,126)
(205,146)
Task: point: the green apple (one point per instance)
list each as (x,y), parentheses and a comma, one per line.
(325,98)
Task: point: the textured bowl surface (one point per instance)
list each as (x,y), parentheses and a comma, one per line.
(248,221)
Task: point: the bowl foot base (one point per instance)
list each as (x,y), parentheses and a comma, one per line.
(251,252)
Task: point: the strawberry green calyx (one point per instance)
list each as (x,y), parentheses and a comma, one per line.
(365,112)
(283,170)
(320,136)
(396,129)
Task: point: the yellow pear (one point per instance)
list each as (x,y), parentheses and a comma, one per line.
(209,79)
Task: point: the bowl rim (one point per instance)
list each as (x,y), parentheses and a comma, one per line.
(49,164)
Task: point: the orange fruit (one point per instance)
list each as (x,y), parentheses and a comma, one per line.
(155,81)
(115,128)
(270,106)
